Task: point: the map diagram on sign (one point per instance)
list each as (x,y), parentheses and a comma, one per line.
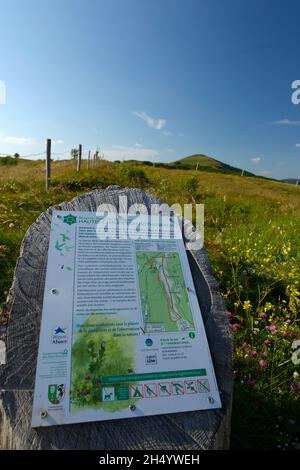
(164,297)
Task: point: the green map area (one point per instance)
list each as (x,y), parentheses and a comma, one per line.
(165,303)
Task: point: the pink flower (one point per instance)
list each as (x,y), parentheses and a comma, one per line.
(267,342)
(266,353)
(263,315)
(288,321)
(295,386)
(245,345)
(235,326)
(263,363)
(253,353)
(272,329)
(228,314)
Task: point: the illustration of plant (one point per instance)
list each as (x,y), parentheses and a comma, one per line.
(94,355)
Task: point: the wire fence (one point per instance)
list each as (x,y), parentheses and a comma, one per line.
(75,154)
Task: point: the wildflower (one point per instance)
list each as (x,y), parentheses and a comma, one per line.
(262,314)
(263,363)
(267,342)
(268,306)
(288,321)
(235,326)
(253,353)
(272,329)
(228,314)
(295,387)
(247,305)
(296,375)
(266,353)
(250,383)
(291,422)
(245,345)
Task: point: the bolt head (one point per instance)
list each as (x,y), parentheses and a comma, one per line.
(43,414)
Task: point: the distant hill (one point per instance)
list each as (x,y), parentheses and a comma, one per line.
(292,181)
(208,164)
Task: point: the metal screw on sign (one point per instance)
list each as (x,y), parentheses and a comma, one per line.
(43,414)
(211,400)
(54,291)
(132,407)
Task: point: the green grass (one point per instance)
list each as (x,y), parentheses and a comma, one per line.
(252,237)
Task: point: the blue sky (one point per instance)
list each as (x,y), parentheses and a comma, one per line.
(154,80)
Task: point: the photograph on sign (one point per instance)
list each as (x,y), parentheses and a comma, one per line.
(122,333)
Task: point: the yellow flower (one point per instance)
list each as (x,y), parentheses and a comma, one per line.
(268,306)
(247,305)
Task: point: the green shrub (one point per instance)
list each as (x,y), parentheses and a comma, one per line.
(8,161)
(77,184)
(133,176)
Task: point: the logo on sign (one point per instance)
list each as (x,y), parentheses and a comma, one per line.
(70,219)
(150,390)
(203,385)
(177,388)
(56,393)
(108,393)
(164,389)
(190,386)
(151,359)
(136,391)
(59,335)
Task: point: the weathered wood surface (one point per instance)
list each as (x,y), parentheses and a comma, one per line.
(187,431)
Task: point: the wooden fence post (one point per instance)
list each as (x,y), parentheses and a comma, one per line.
(88,161)
(79,157)
(48,164)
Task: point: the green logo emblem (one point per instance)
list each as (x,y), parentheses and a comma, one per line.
(56,393)
(192,335)
(70,219)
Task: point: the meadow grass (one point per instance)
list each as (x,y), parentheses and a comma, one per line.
(252,237)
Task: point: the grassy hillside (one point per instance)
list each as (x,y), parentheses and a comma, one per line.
(209,164)
(294,181)
(252,236)
(205,163)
